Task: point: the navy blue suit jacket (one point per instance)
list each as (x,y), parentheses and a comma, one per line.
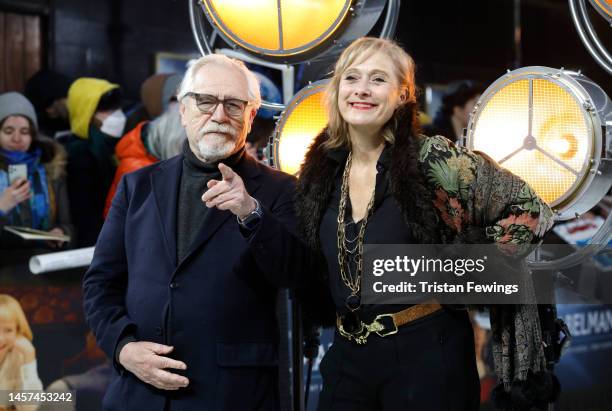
(216,307)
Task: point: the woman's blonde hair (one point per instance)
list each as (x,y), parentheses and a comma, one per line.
(10,309)
(359,51)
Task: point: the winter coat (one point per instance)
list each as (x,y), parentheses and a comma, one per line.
(132,155)
(54,161)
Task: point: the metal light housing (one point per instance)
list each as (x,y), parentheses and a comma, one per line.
(603,7)
(288,31)
(298,126)
(551,127)
(277,28)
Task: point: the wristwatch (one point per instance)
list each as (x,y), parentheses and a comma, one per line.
(252,219)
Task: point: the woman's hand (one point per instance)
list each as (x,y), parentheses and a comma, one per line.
(56,244)
(24,347)
(16,193)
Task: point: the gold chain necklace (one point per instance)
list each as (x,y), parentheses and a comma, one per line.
(353,283)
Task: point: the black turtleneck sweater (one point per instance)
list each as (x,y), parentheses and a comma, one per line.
(191,211)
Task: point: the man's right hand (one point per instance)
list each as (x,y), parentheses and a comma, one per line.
(144,360)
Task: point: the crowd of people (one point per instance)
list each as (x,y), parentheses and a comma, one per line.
(76,142)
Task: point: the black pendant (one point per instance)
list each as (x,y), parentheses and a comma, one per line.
(353,302)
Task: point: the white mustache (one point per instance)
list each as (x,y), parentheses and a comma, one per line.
(218,128)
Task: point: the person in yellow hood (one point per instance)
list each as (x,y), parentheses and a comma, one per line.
(96,122)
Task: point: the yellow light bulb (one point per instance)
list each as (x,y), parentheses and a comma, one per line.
(558,127)
(276,28)
(303,120)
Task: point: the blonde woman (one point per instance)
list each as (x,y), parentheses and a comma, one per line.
(369,177)
(17,354)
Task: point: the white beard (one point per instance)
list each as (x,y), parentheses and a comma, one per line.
(213,148)
(216,142)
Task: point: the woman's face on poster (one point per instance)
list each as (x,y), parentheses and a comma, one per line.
(8,335)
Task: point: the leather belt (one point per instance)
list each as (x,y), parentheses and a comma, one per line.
(384,324)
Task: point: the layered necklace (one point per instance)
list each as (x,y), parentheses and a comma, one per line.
(346,247)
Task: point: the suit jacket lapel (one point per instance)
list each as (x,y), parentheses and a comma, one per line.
(166,183)
(249,171)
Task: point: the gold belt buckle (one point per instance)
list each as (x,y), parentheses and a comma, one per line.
(361,335)
(381,331)
(350,335)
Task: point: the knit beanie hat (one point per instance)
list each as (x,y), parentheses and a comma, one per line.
(14,103)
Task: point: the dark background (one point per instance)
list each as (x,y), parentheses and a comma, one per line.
(451,39)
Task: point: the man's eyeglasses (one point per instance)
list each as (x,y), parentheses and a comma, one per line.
(207,103)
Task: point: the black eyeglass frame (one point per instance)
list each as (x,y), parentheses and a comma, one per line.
(198,96)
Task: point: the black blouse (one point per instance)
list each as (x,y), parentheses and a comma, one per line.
(385,226)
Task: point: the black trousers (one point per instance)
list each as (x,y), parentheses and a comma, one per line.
(428,365)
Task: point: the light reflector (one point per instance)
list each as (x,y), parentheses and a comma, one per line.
(277,27)
(543,125)
(298,126)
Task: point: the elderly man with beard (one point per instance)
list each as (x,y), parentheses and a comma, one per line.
(178,294)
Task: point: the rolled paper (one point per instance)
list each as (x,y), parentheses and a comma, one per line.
(61,261)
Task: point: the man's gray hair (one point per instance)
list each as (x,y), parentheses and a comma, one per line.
(195,65)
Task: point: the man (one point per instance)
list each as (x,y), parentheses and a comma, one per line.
(179,294)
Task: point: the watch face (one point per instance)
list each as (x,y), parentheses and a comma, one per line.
(251,221)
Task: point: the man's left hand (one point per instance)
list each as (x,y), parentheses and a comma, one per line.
(229,194)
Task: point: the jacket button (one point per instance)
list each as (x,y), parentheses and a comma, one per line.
(174,285)
(159,331)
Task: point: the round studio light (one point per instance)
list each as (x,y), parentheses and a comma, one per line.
(302,120)
(549,127)
(289,31)
(277,27)
(604,8)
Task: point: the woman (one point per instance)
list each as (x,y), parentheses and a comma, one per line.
(370,178)
(18,369)
(39,199)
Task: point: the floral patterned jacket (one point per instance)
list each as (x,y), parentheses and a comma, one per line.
(472,190)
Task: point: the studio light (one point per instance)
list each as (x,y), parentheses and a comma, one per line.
(552,128)
(288,31)
(586,31)
(302,120)
(603,7)
(276,28)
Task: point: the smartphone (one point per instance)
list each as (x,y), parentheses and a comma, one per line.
(16,171)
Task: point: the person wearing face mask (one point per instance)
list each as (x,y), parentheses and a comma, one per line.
(146,144)
(157,93)
(39,200)
(97,123)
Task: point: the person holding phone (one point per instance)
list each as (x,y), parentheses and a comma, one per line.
(32,174)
